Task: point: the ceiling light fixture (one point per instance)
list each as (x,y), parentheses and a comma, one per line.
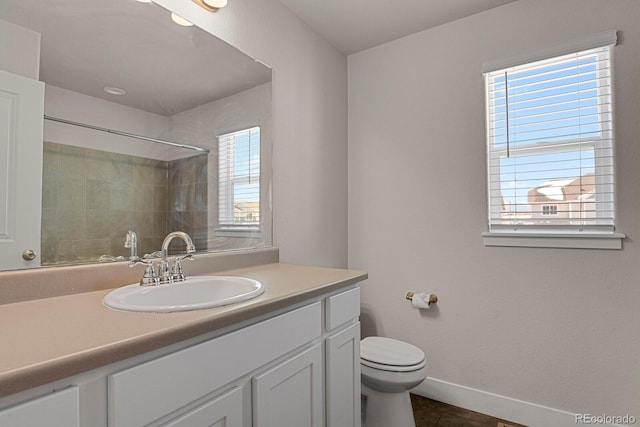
(114,90)
(216,3)
(180,20)
(211,5)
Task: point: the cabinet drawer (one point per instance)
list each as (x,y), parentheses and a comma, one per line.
(342,307)
(61,409)
(151,390)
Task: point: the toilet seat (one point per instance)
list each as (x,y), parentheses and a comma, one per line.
(393,368)
(387,354)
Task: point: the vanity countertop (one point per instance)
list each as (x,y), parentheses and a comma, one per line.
(49,339)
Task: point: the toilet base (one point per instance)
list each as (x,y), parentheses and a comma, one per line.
(386,409)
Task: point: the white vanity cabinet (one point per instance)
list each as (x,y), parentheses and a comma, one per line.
(59,409)
(298,367)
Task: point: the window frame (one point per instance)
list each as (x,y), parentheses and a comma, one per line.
(225,196)
(540,236)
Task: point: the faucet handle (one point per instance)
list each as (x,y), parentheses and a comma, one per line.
(150,277)
(135,261)
(183,257)
(176,270)
(156,254)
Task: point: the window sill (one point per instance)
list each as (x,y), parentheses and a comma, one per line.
(238,231)
(555,240)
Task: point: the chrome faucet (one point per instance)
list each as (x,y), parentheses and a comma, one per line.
(165,273)
(131,241)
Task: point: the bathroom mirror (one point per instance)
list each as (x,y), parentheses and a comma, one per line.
(150,127)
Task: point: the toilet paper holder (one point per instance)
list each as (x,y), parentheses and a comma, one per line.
(433,298)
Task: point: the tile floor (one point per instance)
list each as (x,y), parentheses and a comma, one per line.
(430,413)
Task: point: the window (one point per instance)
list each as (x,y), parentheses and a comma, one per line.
(239,180)
(550,145)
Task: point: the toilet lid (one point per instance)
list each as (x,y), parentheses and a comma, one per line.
(387,351)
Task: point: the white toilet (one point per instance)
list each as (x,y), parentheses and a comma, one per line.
(389,369)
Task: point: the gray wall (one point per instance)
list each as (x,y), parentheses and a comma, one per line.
(22,54)
(556,327)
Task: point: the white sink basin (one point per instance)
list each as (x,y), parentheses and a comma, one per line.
(195,293)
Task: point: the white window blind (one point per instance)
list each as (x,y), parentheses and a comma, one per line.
(239,178)
(550,144)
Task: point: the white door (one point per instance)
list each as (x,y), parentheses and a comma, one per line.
(21,119)
(290,395)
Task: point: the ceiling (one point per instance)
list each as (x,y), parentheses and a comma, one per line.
(164,68)
(90,44)
(355,25)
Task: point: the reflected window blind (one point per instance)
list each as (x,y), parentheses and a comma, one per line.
(550,144)
(239,178)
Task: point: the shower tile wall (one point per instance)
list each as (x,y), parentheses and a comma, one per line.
(91,198)
(188,200)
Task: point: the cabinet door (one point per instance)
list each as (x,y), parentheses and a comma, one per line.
(61,409)
(343,378)
(290,394)
(222,411)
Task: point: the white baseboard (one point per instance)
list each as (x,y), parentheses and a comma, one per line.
(495,405)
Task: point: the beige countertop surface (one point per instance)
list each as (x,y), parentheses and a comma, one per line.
(49,339)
